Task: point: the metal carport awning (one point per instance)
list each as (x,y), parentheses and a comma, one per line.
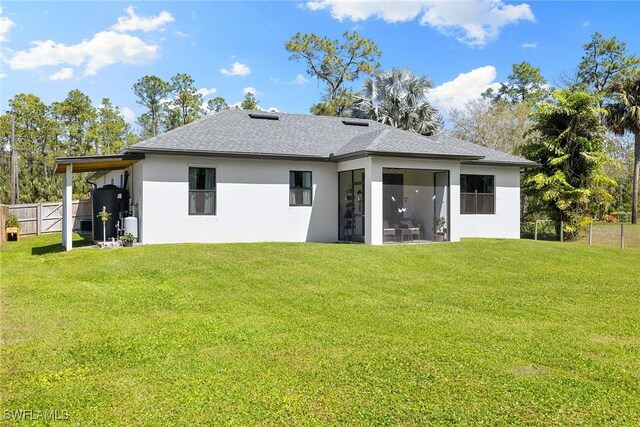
(69,165)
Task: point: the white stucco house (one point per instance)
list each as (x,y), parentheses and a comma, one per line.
(241,176)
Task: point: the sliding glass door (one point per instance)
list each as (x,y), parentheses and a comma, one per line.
(352,205)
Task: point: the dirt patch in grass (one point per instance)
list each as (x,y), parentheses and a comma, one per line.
(619,341)
(533,371)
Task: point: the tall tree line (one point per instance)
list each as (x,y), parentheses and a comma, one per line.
(75,127)
(71,127)
(177,102)
(169,104)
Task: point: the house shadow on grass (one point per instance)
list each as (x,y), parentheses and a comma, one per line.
(78,241)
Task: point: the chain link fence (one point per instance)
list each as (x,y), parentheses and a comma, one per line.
(599,233)
(539,230)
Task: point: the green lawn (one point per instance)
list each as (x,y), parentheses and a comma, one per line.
(487,332)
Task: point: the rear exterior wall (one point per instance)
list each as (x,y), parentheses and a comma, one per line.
(252,201)
(505,222)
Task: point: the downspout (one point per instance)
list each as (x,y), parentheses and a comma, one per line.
(95,186)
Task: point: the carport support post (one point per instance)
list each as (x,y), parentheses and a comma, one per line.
(67,219)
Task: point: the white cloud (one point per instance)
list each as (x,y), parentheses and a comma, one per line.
(585,24)
(473,22)
(464,88)
(297,80)
(300,80)
(63,74)
(360,10)
(105,48)
(2,75)
(237,69)
(207,91)
(128,115)
(48,52)
(135,22)
(5,26)
(477,22)
(250,89)
(108,48)
(530,45)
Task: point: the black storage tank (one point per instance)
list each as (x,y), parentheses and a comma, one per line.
(114,200)
(86,226)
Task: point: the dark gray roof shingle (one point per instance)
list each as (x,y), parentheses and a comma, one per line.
(233,132)
(489,155)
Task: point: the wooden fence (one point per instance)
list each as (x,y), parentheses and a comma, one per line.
(38,218)
(4,212)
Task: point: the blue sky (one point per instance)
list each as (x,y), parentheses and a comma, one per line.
(103,48)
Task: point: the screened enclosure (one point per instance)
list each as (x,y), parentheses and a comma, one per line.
(415,205)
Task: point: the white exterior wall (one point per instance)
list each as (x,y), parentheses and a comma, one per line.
(505,223)
(252,201)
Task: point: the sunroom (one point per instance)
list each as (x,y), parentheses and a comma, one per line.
(415,205)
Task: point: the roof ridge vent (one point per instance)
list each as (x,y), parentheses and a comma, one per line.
(264,116)
(355,123)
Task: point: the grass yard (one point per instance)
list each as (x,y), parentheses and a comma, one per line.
(489,332)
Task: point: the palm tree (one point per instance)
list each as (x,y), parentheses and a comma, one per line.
(398,98)
(624,115)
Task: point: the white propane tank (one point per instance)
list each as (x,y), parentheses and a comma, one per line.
(131,226)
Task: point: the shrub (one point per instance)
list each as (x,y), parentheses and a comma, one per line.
(12,220)
(128,238)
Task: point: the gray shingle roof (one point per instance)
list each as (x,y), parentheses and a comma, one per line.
(489,155)
(233,132)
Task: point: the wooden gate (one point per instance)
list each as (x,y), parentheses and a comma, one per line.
(38,218)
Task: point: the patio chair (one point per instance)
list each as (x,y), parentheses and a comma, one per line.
(406,225)
(389,232)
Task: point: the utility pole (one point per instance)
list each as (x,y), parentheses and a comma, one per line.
(14,163)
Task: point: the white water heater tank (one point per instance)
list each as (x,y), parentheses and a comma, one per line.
(131,226)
